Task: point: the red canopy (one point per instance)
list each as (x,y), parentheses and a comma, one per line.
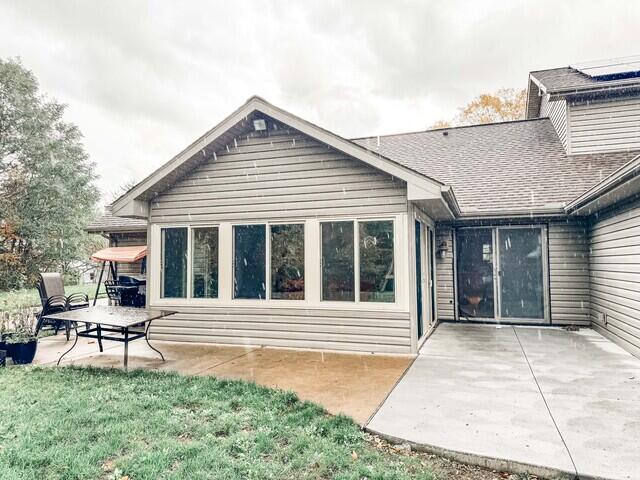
(120,254)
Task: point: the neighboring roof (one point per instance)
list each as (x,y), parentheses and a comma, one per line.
(128,254)
(501,168)
(621,184)
(567,80)
(110,223)
(134,203)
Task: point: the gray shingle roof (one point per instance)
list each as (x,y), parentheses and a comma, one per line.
(568,79)
(500,167)
(111,223)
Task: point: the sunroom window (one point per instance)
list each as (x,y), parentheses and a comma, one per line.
(287,261)
(376,261)
(369,254)
(204,262)
(338,281)
(174,263)
(249,262)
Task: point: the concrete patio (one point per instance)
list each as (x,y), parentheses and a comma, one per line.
(350,384)
(539,399)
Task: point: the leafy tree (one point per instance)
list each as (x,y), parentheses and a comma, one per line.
(47,195)
(503,105)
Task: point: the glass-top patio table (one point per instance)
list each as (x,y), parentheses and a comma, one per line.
(130,323)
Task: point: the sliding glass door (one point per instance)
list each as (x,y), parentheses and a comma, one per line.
(501,273)
(521,273)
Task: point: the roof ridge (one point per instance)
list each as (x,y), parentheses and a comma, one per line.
(450,128)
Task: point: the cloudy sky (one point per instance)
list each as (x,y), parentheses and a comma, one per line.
(144,79)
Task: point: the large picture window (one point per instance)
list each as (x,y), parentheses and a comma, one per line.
(249,261)
(204,262)
(174,263)
(287,262)
(358,267)
(376,261)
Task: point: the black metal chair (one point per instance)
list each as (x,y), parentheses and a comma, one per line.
(54,304)
(54,300)
(114,292)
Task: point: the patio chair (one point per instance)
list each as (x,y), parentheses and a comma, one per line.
(54,300)
(113,292)
(53,304)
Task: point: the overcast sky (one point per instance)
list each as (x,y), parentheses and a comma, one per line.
(144,79)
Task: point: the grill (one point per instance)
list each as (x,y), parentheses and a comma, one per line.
(133,290)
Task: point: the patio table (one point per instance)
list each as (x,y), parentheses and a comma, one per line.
(130,323)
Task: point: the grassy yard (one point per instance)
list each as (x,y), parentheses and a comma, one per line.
(29,297)
(78,423)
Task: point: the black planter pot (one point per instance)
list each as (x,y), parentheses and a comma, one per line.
(3,343)
(23,353)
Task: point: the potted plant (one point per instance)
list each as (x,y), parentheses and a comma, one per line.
(23,343)
(5,332)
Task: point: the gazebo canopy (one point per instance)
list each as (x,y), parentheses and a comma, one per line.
(120,254)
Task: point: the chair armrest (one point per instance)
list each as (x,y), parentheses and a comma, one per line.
(77,299)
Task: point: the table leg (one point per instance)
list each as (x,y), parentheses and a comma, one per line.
(99,331)
(146,337)
(75,326)
(126,348)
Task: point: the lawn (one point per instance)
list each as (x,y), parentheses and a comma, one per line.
(29,297)
(86,423)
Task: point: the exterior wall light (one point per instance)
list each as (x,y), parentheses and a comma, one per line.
(442,250)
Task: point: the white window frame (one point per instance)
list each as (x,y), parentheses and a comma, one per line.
(313,266)
(267,263)
(356,259)
(189,289)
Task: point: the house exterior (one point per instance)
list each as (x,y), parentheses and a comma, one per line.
(270,230)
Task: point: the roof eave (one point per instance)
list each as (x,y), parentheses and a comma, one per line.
(131,204)
(616,187)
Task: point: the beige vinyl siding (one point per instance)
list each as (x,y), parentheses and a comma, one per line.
(615,277)
(286,175)
(128,240)
(445,292)
(354,330)
(604,126)
(557,112)
(569,273)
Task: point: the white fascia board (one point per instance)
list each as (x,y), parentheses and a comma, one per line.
(182,157)
(132,209)
(349,148)
(258,104)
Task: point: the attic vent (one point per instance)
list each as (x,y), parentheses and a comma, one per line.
(445,133)
(260,124)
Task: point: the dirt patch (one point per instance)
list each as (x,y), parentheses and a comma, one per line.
(444,468)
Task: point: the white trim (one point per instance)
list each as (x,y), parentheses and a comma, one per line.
(313,269)
(123,205)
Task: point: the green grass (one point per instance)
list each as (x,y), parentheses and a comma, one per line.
(87,423)
(29,297)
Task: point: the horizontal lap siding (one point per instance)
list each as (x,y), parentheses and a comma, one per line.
(445,291)
(283,176)
(557,113)
(127,240)
(605,126)
(280,176)
(363,331)
(615,277)
(569,273)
